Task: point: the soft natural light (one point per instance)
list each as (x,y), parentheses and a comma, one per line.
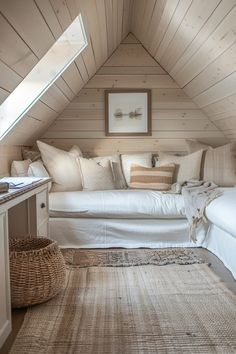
(43,75)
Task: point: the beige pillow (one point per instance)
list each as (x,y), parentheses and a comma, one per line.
(219,164)
(193,146)
(62,166)
(118,176)
(158,178)
(96,175)
(187,167)
(37,169)
(144,159)
(20,168)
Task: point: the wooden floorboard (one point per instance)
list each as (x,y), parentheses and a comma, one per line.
(216,265)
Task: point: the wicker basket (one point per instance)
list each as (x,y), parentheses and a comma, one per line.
(37,270)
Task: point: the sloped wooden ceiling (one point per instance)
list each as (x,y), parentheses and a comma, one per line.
(28,28)
(195,42)
(175,116)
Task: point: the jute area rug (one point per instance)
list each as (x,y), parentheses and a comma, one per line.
(180,307)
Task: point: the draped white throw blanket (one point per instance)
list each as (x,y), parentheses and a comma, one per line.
(197,195)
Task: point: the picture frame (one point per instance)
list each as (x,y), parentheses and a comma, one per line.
(128,112)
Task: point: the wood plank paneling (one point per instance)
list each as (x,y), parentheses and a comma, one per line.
(174,115)
(196,44)
(194,40)
(7,155)
(203,41)
(28,30)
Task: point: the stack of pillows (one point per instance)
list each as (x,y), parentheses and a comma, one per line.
(71,172)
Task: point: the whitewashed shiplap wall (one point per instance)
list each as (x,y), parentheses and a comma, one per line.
(175,117)
(28,28)
(7,155)
(195,41)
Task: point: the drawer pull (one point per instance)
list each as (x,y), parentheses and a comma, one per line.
(42,205)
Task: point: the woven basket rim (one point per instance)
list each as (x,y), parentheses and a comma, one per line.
(52,244)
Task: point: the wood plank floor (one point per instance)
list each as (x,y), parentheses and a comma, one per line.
(216,265)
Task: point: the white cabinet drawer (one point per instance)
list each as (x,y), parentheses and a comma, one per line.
(42,207)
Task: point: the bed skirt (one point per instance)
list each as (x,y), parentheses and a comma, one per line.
(223,245)
(128,233)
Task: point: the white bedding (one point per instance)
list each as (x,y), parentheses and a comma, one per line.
(129,204)
(128,233)
(222,211)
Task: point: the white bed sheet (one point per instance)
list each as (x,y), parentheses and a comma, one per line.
(129,204)
(128,233)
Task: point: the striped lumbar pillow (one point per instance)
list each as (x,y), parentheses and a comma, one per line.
(158,178)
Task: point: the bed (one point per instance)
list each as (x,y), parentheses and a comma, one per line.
(141,218)
(119,218)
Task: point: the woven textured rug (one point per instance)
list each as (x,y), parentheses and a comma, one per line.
(133,310)
(129,257)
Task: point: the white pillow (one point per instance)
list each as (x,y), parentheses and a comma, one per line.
(62,166)
(194,145)
(187,167)
(144,160)
(96,175)
(20,168)
(115,162)
(219,163)
(76,151)
(37,169)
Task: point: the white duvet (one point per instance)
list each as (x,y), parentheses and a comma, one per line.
(129,204)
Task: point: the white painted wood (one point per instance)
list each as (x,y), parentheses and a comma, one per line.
(42,214)
(5,296)
(10,227)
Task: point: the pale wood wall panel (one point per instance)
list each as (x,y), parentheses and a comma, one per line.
(218,22)
(7,155)
(195,42)
(174,116)
(28,28)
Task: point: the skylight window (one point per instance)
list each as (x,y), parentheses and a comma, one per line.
(43,75)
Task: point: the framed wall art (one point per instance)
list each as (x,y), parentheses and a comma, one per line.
(128,112)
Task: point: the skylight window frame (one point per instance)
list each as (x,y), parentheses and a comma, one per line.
(21,115)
